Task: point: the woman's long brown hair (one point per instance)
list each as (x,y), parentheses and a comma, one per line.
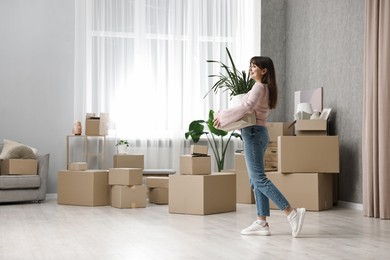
(268,78)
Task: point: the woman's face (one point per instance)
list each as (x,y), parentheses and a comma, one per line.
(255,72)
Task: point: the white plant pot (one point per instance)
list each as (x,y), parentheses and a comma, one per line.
(236,100)
(122,149)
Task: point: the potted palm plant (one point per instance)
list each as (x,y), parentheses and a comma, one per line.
(236,82)
(196,130)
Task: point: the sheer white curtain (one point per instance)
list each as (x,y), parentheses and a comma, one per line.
(144,62)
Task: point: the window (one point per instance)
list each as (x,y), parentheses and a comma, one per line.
(144,61)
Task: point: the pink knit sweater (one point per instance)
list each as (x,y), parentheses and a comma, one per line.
(255,100)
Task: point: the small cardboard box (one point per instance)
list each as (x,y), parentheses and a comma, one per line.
(128,196)
(199,149)
(95,125)
(19,166)
(83,188)
(202,194)
(157,182)
(128,161)
(247,120)
(276,129)
(311,127)
(308,154)
(158,196)
(195,165)
(125,176)
(313,191)
(78,166)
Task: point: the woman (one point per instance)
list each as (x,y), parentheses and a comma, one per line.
(260,99)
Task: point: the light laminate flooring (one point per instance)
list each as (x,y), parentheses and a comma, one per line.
(52,231)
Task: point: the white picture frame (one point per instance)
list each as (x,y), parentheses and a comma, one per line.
(325,113)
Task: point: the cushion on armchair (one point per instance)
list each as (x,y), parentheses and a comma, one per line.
(21,152)
(9,145)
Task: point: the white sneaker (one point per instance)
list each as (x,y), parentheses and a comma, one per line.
(257,229)
(296,220)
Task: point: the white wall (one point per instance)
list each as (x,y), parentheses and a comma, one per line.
(36,76)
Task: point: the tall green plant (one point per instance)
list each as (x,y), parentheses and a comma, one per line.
(196,130)
(232,80)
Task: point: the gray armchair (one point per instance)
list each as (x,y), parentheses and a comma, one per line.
(15,188)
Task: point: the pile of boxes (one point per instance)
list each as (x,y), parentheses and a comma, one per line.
(306,165)
(196,191)
(121,186)
(127,190)
(157,189)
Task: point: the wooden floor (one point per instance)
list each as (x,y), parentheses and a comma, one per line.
(51,231)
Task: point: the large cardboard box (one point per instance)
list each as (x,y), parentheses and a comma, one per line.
(125,176)
(199,149)
(158,196)
(311,127)
(247,120)
(202,194)
(157,182)
(128,161)
(244,191)
(128,196)
(83,188)
(95,125)
(312,191)
(195,165)
(19,166)
(276,129)
(308,154)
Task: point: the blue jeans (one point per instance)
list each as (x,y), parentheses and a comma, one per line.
(255,143)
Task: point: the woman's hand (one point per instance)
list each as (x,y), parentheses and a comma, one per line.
(216,122)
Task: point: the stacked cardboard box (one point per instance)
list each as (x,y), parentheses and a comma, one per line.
(311,154)
(96,125)
(196,191)
(311,127)
(158,189)
(275,129)
(127,190)
(128,161)
(306,169)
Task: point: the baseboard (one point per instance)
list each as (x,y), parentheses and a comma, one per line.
(51,196)
(350,205)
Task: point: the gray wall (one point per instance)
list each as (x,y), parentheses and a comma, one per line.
(323,44)
(36,76)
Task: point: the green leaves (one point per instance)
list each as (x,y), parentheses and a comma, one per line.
(196,130)
(234,81)
(210,125)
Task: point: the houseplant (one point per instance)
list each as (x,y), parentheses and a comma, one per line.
(196,130)
(122,146)
(234,81)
